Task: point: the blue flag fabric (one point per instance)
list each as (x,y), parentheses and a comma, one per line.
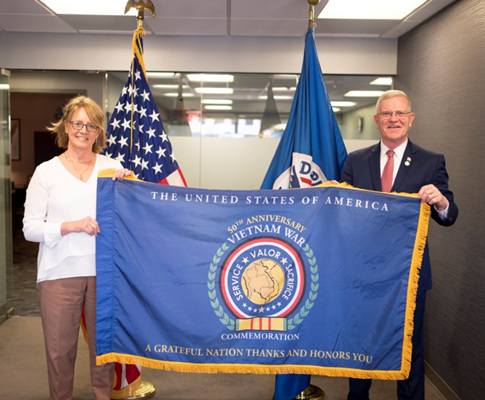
(310,152)
(314,281)
(311,149)
(136,136)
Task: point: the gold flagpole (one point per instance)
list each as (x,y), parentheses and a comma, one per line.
(146,389)
(311,16)
(312,392)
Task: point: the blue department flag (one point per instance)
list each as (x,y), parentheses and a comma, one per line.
(311,151)
(136,136)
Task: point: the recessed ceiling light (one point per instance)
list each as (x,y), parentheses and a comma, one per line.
(382,81)
(284,76)
(163,86)
(343,103)
(364,93)
(208,90)
(218,107)
(216,101)
(335,109)
(276,97)
(210,78)
(283,89)
(161,74)
(369,9)
(176,94)
(87,7)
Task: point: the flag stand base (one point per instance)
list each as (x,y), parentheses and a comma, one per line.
(311,392)
(145,391)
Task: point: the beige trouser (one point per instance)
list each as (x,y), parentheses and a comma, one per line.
(61,303)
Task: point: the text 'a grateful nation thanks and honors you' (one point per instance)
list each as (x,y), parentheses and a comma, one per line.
(317,281)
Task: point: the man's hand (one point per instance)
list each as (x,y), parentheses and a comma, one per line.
(431,195)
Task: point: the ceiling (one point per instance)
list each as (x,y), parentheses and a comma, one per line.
(284,18)
(262,18)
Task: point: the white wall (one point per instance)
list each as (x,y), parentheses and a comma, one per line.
(89,84)
(205,54)
(349,126)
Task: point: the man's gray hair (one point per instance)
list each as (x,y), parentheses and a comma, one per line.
(389,95)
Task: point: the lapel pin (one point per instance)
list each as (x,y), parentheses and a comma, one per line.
(408,162)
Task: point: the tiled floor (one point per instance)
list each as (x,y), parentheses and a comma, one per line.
(22,354)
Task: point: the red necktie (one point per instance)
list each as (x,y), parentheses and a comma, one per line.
(386,179)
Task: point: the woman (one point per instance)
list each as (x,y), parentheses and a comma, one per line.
(60,212)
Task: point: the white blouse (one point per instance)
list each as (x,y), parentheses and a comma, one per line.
(55,196)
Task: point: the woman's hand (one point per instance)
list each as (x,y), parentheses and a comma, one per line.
(121,173)
(88,225)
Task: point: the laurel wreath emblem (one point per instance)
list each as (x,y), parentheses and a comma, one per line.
(292,322)
(303,312)
(211,285)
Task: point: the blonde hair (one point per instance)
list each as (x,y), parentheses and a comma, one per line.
(95,114)
(389,95)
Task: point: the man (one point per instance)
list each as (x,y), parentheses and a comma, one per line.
(396,164)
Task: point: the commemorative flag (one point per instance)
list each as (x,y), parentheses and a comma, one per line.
(311,151)
(316,281)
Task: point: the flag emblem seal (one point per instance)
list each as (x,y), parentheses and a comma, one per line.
(262,284)
(302,173)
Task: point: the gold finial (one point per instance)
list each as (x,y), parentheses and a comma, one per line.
(141,6)
(311,17)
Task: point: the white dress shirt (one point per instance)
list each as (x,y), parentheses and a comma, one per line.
(55,196)
(398,155)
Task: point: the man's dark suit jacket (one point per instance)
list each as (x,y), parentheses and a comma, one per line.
(362,170)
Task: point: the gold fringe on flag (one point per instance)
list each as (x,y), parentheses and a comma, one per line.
(208,368)
(109,173)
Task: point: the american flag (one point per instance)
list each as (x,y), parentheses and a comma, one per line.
(136,136)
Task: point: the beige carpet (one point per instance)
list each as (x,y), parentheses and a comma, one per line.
(23,374)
